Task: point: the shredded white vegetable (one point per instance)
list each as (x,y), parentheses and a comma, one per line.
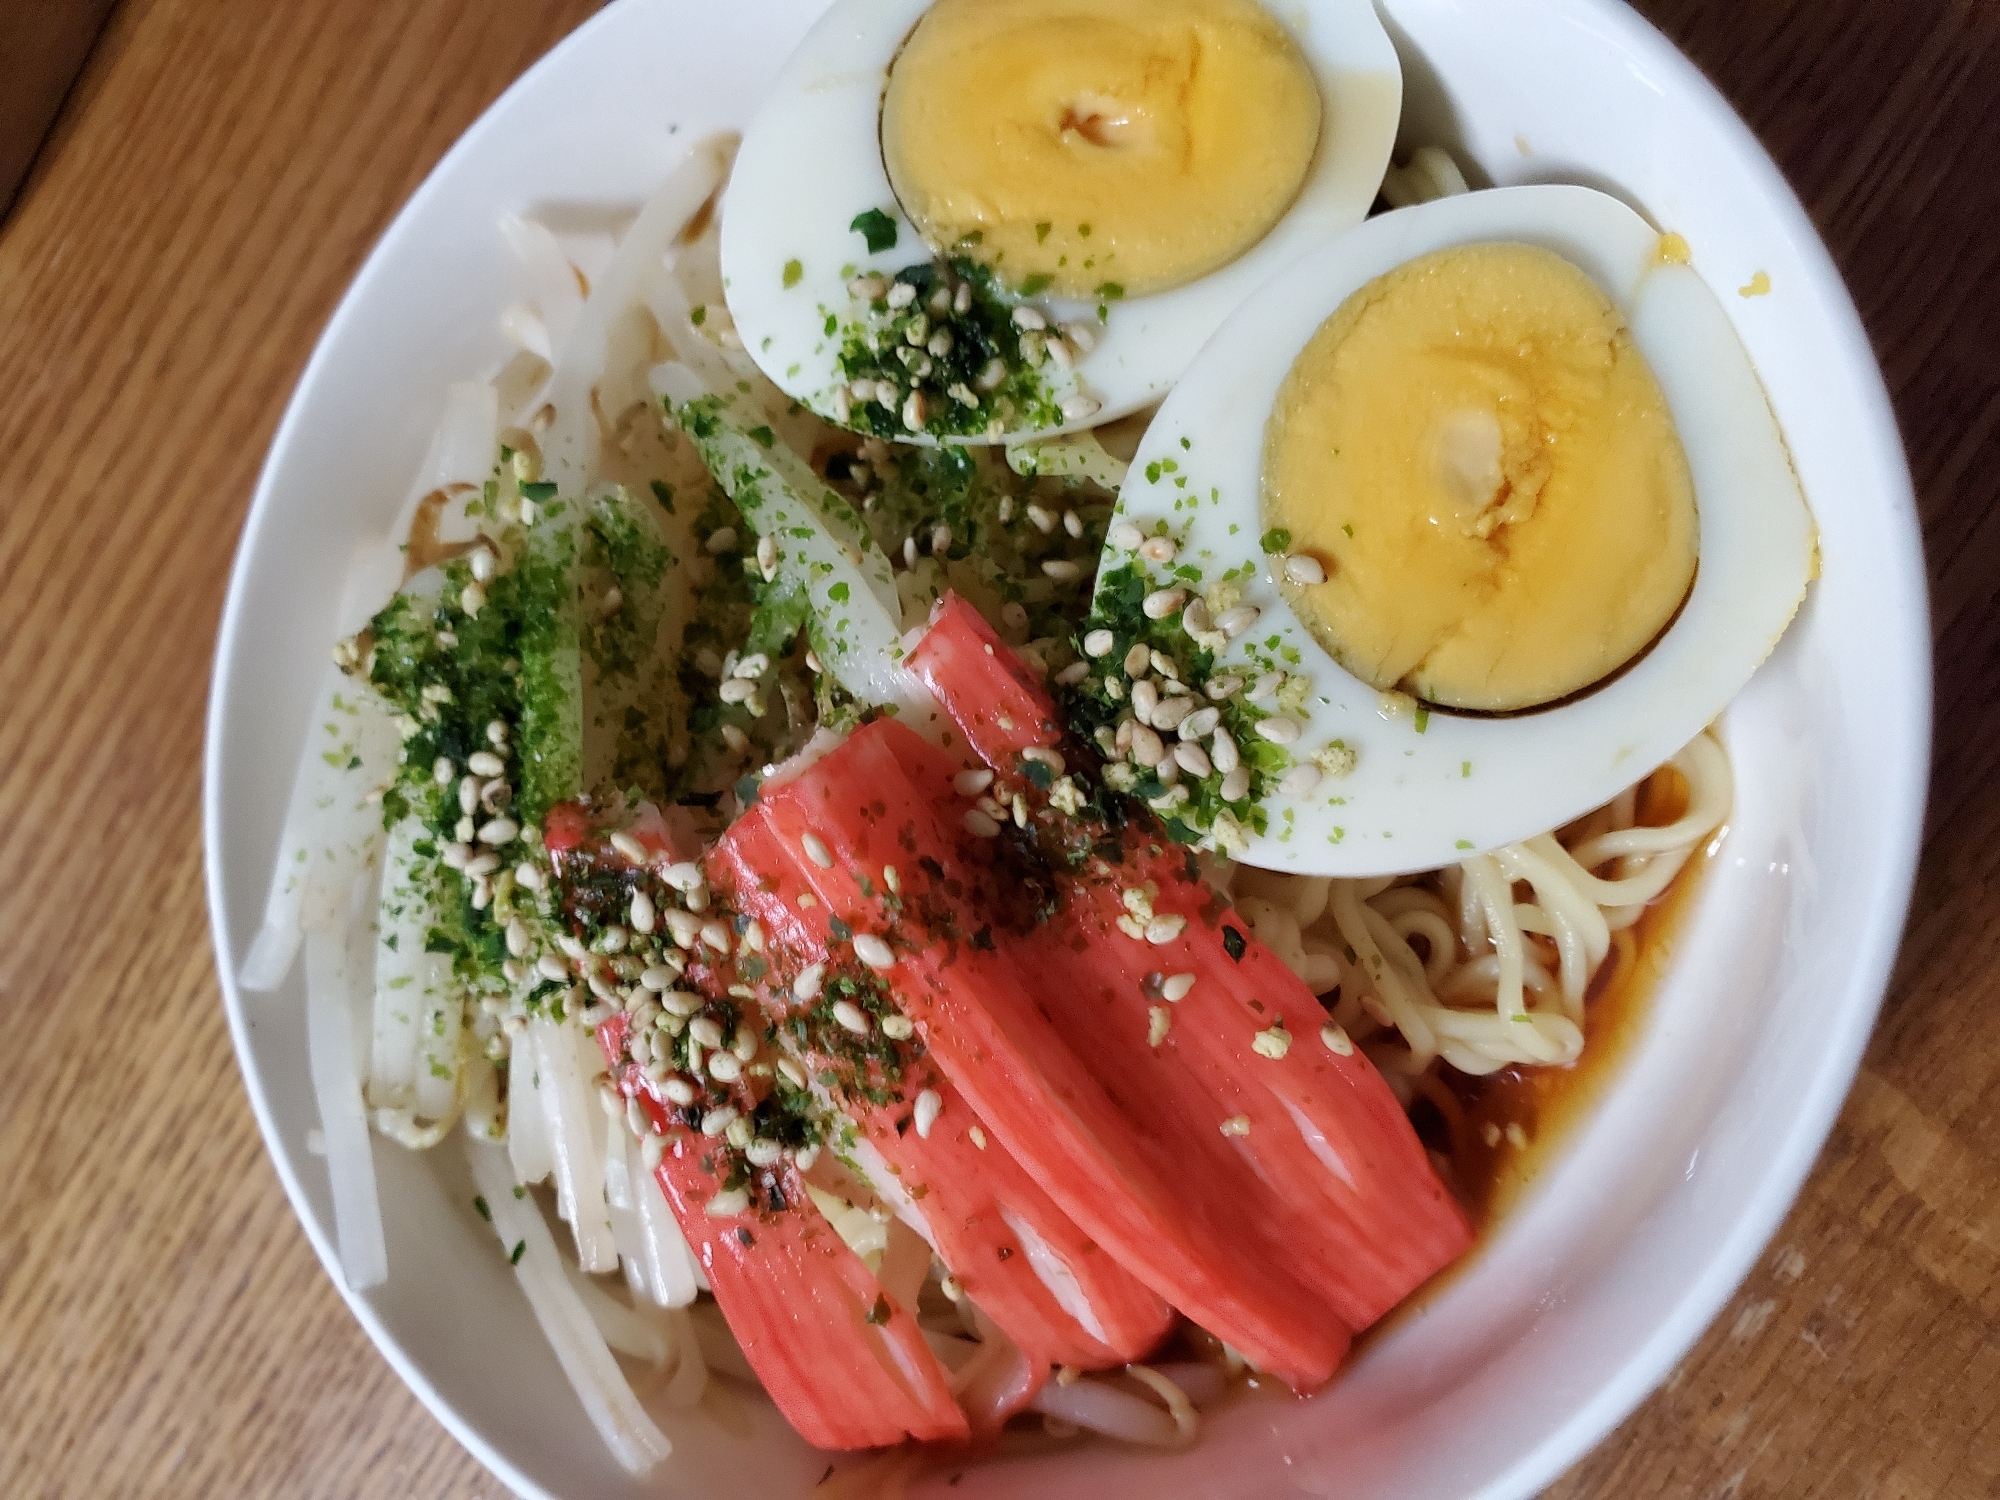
(633,1437)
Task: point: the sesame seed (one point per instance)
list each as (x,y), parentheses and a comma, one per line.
(728,1203)
(1300,781)
(851,1017)
(873,951)
(1176,986)
(1165,928)
(929,1104)
(971,783)
(1339,1043)
(682,1003)
(1272,1042)
(1125,537)
(1304,571)
(1162,603)
(1158,1020)
(1236,1125)
(1079,407)
(1158,549)
(644,914)
(817,851)
(977,1136)
(898,1028)
(1233,622)
(721,540)
(628,846)
(724,1067)
(1278,730)
(1200,724)
(1043,755)
(980,825)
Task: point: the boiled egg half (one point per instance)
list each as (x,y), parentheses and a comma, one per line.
(1483,512)
(989,220)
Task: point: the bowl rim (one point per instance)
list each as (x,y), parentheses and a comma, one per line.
(1901,795)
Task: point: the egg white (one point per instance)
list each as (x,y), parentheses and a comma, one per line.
(812,160)
(1424,796)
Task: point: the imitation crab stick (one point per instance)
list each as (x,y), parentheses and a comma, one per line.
(847,1366)
(1022,1260)
(1197,1008)
(943,946)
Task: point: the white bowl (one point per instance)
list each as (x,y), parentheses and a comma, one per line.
(1633,1240)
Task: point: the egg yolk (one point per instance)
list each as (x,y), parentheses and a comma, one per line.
(1098,148)
(1485,467)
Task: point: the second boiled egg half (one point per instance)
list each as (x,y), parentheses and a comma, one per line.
(991,220)
(1460,526)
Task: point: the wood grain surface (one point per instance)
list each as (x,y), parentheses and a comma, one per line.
(215,178)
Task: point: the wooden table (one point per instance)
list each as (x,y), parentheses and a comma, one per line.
(213,182)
